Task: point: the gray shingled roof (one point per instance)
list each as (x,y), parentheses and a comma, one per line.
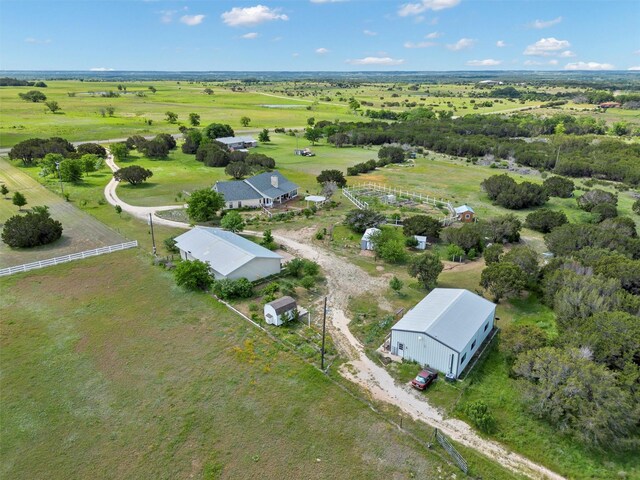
(262,183)
(232,140)
(283,304)
(224,251)
(235,190)
(450,315)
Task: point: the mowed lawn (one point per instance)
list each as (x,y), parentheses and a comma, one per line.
(110,371)
(80,230)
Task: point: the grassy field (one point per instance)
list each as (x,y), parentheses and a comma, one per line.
(81,231)
(110,371)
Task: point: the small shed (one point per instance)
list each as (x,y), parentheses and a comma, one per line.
(422,242)
(280,311)
(366,243)
(317,200)
(465,213)
(389,199)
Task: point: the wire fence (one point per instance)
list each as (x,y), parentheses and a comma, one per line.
(455,455)
(67,258)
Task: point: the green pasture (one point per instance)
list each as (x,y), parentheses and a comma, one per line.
(111,371)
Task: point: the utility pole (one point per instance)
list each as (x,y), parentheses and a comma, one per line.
(153,238)
(60,178)
(324,324)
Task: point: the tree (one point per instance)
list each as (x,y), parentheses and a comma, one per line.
(268,240)
(152,89)
(92,148)
(212,155)
(119,151)
(558,187)
(311,121)
(4,190)
(577,396)
(479,414)
(194,119)
(154,149)
(19,200)
(237,170)
(596,197)
(34,148)
(33,96)
(172,117)
(389,245)
(338,139)
(526,258)
(208,91)
(263,136)
(71,170)
(335,176)
(31,230)
(312,134)
(454,252)
(202,205)
(354,105)
(492,253)
(516,339)
(360,220)
(233,222)
(168,140)
(52,105)
(505,228)
(391,154)
(502,279)
(90,162)
(422,225)
(620,129)
(245,121)
(193,275)
(504,191)
(468,236)
(604,211)
(192,140)
(545,220)
(110,110)
(396,284)
(217,130)
(134,174)
(426,268)
(636,207)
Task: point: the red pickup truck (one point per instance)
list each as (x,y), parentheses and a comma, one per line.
(424,378)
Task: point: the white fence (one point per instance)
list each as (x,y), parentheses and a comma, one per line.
(67,258)
(358,203)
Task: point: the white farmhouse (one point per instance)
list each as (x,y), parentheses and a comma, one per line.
(280,311)
(444,330)
(366,242)
(228,255)
(264,190)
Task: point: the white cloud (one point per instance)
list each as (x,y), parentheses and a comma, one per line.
(546,47)
(37,41)
(634,68)
(376,61)
(588,66)
(410,9)
(101,69)
(166,16)
(553,62)
(637,52)
(322,50)
(489,62)
(567,54)
(501,44)
(327,1)
(192,20)
(461,44)
(419,44)
(250,35)
(532,63)
(433,35)
(369,33)
(295,54)
(539,24)
(249,16)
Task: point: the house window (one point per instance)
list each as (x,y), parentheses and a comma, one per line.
(400,346)
(473,345)
(486,326)
(463,358)
(467,216)
(239,204)
(230,204)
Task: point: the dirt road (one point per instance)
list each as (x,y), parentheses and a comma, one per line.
(344,280)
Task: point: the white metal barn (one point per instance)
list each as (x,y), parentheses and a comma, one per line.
(280,310)
(365,242)
(444,330)
(228,255)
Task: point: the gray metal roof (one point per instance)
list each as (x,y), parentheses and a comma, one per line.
(283,304)
(233,140)
(369,232)
(224,251)
(262,183)
(463,209)
(450,315)
(235,190)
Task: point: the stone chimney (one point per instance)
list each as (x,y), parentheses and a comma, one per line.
(274,181)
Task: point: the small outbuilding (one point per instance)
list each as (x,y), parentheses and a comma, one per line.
(465,214)
(444,330)
(280,311)
(422,242)
(228,255)
(366,243)
(238,143)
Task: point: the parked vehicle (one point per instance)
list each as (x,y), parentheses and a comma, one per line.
(424,378)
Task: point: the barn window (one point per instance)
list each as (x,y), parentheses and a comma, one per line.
(473,345)
(400,346)
(486,326)
(467,216)
(463,358)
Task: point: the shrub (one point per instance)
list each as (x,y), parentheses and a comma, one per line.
(308,282)
(479,414)
(596,197)
(545,220)
(227,289)
(492,253)
(360,220)
(31,230)
(454,252)
(559,187)
(193,275)
(170,244)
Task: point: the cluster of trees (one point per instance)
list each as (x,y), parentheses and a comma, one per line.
(506,192)
(14,82)
(70,169)
(32,229)
(242,164)
(33,96)
(157,147)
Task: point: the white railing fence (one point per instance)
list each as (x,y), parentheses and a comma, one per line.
(67,258)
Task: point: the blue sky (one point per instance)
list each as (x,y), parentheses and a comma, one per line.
(330,35)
